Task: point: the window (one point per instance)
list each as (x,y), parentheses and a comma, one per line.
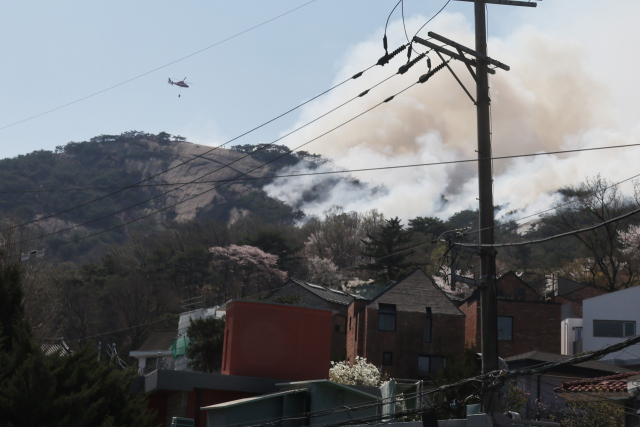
(613,328)
(350,318)
(429,365)
(520,294)
(387,358)
(427,326)
(336,328)
(505,328)
(578,333)
(387,317)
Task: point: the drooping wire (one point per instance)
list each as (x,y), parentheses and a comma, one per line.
(384,38)
(263,147)
(355,76)
(211,189)
(430,19)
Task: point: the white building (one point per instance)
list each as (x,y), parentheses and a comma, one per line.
(165,349)
(606,319)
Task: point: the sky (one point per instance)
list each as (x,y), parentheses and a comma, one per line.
(571,85)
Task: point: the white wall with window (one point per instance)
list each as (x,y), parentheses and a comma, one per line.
(611,318)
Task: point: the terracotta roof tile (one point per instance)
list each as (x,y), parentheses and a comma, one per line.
(611,384)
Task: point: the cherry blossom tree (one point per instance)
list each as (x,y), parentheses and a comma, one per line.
(244,270)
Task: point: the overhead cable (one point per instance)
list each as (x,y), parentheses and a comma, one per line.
(214,171)
(211,189)
(355,76)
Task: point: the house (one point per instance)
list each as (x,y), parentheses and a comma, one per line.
(608,319)
(282,341)
(329,402)
(541,387)
(571,294)
(305,294)
(155,351)
(620,389)
(408,329)
(165,349)
(525,322)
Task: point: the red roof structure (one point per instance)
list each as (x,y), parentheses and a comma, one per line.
(611,384)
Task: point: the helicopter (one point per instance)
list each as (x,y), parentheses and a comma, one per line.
(181,83)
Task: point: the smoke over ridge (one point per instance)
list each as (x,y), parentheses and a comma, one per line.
(547,102)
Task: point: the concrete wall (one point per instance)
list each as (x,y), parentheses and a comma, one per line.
(620,305)
(276,341)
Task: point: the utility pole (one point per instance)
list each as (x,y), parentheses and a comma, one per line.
(487,283)
(488,296)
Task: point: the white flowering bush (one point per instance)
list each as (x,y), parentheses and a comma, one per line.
(359,373)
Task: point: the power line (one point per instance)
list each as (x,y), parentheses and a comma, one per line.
(222,167)
(422,79)
(534,214)
(355,76)
(160,67)
(557,236)
(339,172)
(161,320)
(431,19)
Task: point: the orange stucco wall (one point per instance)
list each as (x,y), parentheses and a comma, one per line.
(276,341)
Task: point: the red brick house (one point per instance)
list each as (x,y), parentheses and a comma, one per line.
(570,295)
(407,329)
(525,321)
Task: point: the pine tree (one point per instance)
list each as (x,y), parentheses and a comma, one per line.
(57,390)
(206,336)
(388,250)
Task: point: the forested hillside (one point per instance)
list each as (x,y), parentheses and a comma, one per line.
(236,242)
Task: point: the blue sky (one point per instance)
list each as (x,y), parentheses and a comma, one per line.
(572,84)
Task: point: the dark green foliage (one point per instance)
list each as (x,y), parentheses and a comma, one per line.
(388,251)
(270,210)
(427,225)
(67,391)
(276,242)
(457,368)
(206,337)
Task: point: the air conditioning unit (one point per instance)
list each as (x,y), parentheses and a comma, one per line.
(182,422)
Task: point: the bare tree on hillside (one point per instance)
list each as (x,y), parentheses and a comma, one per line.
(605,263)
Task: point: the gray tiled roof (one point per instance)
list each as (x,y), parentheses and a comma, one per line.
(542,356)
(328,294)
(159,340)
(415,292)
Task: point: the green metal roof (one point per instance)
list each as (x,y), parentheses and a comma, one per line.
(253,399)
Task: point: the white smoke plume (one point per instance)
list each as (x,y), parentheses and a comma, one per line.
(547,102)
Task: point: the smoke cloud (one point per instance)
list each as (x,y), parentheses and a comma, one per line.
(547,102)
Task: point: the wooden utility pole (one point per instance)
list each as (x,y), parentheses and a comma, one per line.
(488,296)
(487,283)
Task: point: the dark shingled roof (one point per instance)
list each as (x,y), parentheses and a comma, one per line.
(159,340)
(327,294)
(543,356)
(568,286)
(610,384)
(415,292)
